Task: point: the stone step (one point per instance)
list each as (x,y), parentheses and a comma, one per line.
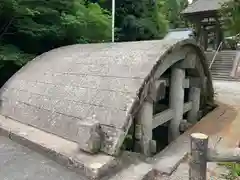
(228,53)
(223,63)
(220,64)
(224,70)
(223,60)
(220,72)
(227,56)
(213,69)
(225,78)
(221,52)
(228,60)
(223,57)
(222,78)
(219,67)
(141,171)
(169,159)
(221,75)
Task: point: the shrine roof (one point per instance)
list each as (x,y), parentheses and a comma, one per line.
(200,6)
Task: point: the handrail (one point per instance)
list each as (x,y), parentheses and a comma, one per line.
(236,63)
(215,55)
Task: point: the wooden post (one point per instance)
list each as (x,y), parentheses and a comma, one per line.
(145,118)
(205,39)
(219,36)
(176,101)
(161,89)
(198,162)
(194,96)
(198,31)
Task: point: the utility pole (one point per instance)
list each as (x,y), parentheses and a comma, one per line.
(113,20)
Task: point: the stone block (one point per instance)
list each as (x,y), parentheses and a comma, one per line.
(189,62)
(153,147)
(112,140)
(195,82)
(184,125)
(89,138)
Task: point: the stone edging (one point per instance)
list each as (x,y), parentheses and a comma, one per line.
(60,150)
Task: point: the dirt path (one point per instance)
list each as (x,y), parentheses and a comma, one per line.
(229,93)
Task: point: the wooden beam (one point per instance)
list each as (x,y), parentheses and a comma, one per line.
(227,155)
(162,117)
(189,62)
(186,82)
(167,115)
(160,81)
(165,80)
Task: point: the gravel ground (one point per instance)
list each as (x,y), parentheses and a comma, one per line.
(227,92)
(20,163)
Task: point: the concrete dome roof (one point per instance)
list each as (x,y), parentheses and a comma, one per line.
(64,86)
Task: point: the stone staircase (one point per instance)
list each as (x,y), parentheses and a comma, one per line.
(222,66)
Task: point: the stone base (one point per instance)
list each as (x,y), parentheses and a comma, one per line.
(96,166)
(89,136)
(67,153)
(63,151)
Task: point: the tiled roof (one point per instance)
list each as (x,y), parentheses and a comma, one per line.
(203,6)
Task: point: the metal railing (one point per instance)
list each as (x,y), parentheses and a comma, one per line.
(236,64)
(215,55)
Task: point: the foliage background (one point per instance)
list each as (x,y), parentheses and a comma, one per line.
(231,13)
(31,27)
(231,22)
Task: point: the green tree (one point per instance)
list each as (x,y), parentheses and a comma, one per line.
(31,27)
(137,20)
(172,9)
(37,26)
(145,19)
(231,16)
